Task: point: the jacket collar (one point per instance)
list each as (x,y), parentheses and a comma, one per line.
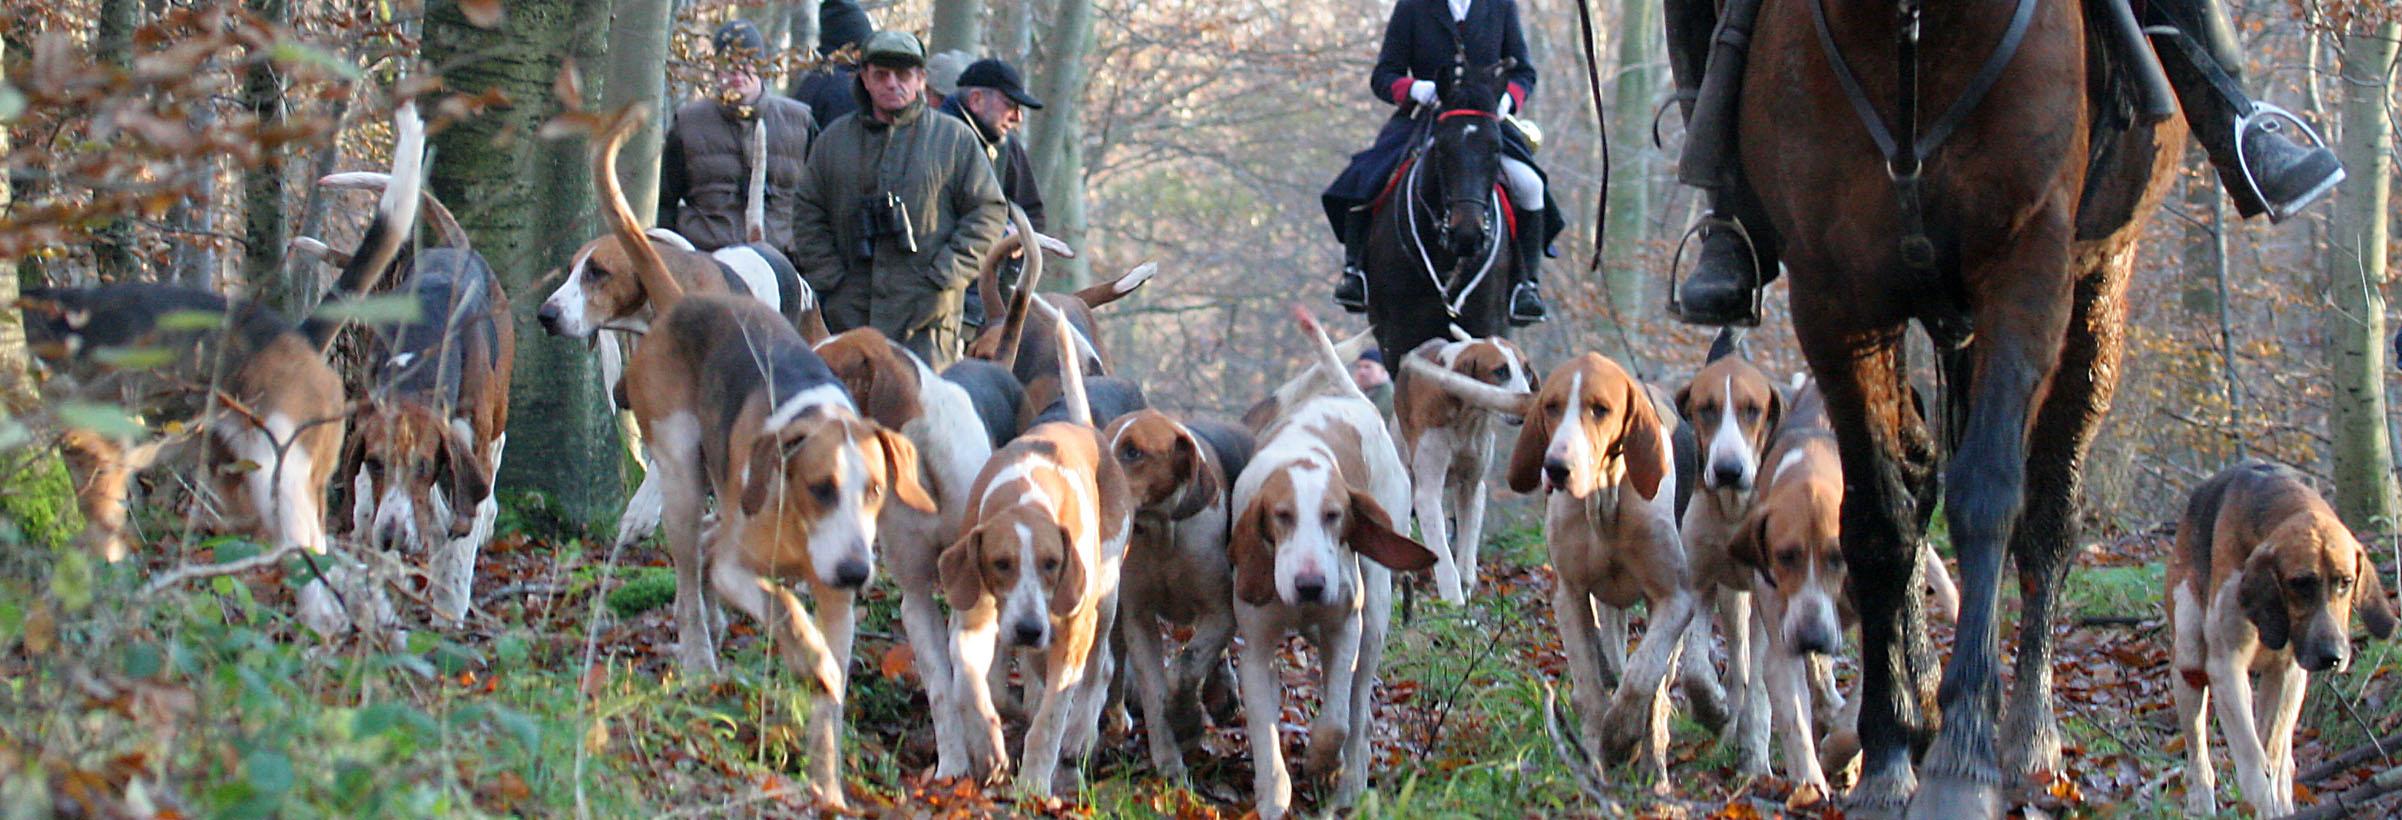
(956,105)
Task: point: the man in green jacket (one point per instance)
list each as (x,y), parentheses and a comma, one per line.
(897,208)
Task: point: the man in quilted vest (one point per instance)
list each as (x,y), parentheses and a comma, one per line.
(705,171)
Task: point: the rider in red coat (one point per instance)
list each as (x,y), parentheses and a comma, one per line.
(1422,42)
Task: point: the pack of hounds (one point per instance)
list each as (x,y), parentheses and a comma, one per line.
(1066,525)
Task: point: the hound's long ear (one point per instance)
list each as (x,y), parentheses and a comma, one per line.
(467,475)
(1371,535)
(1069,594)
(2376,611)
(2263,602)
(1192,467)
(1254,561)
(1749,547)
(901,468)
(961,570)
(1776,417)
(1645,443)
(765,469)
(1526,459)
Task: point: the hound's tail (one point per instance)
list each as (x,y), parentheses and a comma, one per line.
(1485,396)
(1329,359)
(1013,324)
(447,231)
(1071,368)
(662,288)
(754,210)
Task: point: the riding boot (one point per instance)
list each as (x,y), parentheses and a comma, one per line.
(2253,145)
(1351,289)
(1720,289)
(1526,296)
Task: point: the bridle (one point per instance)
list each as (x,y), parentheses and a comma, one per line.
(1462,279)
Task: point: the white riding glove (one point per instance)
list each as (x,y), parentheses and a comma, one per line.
(1507,106)
(1422,92)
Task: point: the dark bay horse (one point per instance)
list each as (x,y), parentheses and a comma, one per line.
(1439,253)
(2031,210)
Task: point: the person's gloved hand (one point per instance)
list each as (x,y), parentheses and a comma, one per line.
(1422,92)
(1507,105)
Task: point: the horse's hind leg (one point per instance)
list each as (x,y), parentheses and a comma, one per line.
(2022,311)
(1887,456)
(2047,532)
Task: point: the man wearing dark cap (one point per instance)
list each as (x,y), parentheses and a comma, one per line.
(840,24)
(705,164)
(992,99)
(897,208)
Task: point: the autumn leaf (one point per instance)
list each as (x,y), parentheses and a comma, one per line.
(899,663)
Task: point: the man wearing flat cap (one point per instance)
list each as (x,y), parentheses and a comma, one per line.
(705,163)
(897,208)
(992,99)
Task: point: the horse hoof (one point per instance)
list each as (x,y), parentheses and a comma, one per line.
(1955,797)
(1882,796)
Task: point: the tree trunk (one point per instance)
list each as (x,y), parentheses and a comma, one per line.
(2364,486)
(637,72)
(2204,247)
(1055,134)
(266,225)
(195,262)
(1017,34)
(113,243)
(958,24)
(17,395)
(1630,140)
(527,204)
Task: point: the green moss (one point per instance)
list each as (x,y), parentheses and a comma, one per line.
(37,502)
(648,589)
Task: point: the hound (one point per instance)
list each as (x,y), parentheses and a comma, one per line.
(603,291)
(1600,446)
(943,416)
(1029,342)
(1046,532)
(1449,445)
(425,447)
(2264,579)
(1180,474)
(1734,409)
(1314,501)
(733,404)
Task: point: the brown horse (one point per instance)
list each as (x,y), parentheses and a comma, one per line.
(2032,207)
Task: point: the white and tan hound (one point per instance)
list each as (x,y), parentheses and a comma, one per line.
(2264,579)
(733,404)
(1449,446)
(1046,531)
(1313,502)
(1734,409)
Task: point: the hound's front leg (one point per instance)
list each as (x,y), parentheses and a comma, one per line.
(1339,654)
(1572,610)
(805,650)
(1639,709)
(1146,661)
(1433,459)
(1263,705)
(2233,684)
(1470,502)
(1058,702)
(974,634)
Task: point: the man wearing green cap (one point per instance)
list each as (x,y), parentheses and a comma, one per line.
(897,208)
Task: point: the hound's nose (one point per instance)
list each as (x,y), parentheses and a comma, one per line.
(2322,659)
(851,573)
(1815,639)
(1309,588)
(549,317)
(1727,475)
(1028,633)
(1556,469)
